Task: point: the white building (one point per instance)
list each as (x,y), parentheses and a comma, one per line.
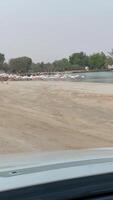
(110,67)
(87,68)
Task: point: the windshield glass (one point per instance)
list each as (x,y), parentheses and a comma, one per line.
(56,75)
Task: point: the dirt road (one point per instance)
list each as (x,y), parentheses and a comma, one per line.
(40,116)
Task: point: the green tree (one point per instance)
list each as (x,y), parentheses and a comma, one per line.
(109,61)
(78,59)
(20,65)
(2,59)
(6,67)
(109,58)
(48,67)
(35,67)
(61,65)
(41,67)
(97,61)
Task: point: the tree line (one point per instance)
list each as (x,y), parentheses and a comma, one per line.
(76,61)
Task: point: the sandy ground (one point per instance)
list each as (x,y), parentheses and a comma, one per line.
(40,116)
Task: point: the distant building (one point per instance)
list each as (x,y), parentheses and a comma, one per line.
(87,68)
(110,67)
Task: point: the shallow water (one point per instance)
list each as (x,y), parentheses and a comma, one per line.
(98,77)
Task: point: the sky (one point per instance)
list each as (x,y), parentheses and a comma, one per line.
(47,30)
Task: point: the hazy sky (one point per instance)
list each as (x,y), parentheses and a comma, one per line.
(51,29)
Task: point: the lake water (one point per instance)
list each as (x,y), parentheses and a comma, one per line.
(98,77)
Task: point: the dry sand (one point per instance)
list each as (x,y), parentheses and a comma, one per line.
(40,116)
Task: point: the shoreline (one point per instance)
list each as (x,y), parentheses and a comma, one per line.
(80,87)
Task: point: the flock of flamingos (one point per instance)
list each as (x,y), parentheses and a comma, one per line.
(56,76)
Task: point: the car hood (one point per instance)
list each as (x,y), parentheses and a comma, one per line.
(23,170)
